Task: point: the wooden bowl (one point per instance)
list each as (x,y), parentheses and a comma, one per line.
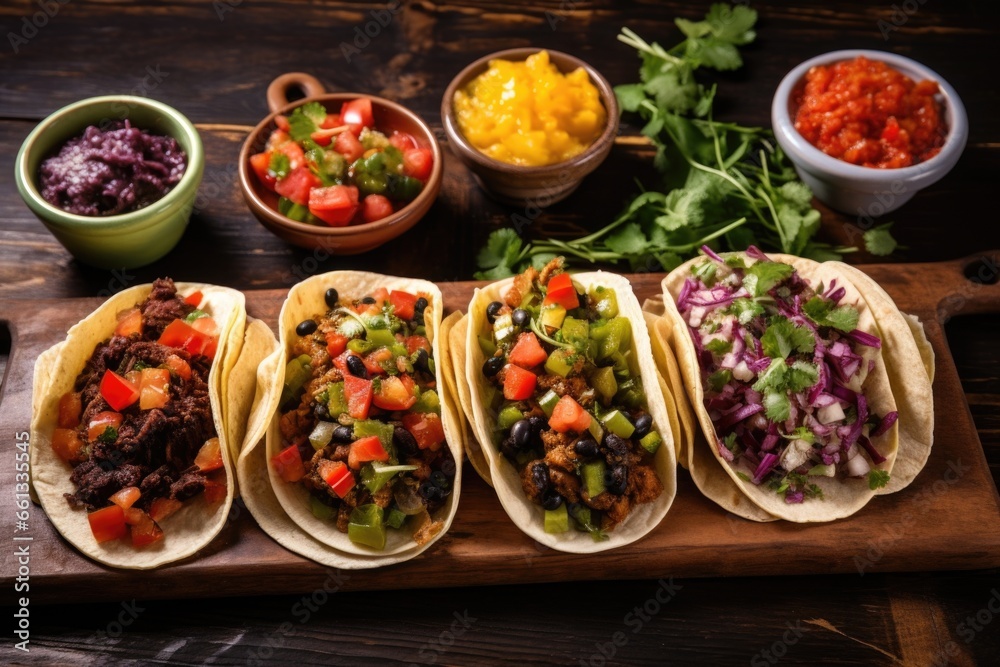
(353,239)
(519,185)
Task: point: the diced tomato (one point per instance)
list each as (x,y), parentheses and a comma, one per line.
(402,141)
(297,185)
(337,475)
(282,123)
(335,205)
(340,362)
(376,360)
(347,144)
(67,445)
(518,384)
(364,450)
(527,351)
(209,457)
(426,429)
(375,207)
(418,163)
(199,337)
(393,394)
(381,296)
(403,302)
(108,523)
(144,529)
(357,114)
(154,388)
(176,334)
(161,508)
(117,391)
(209,340)
(414,343)
(194,298)
(125,497)
(70,407)
(561,291)
(215,490)
(358,393)
(408,383)
(568,415)
(331,121)
(288,464)
(296,155)
(101,422)
(260,164)
(336,343)
(178,366)
(278,138)
(129,322)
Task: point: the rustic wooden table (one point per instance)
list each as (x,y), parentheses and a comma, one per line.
(213,61)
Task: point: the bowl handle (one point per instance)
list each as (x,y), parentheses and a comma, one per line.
(277,92)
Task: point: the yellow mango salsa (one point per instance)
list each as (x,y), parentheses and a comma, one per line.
(528,113)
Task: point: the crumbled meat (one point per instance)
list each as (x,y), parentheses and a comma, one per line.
(427,530)
(383,497)
(188,486)
(555,264)
(601,501)
(644,484)
(535,480)
(553,439)
(343,517)
(617,512)
(161,308)
(574,385)
(562,457)
(566,484)
(295,425)
(522,285)
(95,483)
(318,384)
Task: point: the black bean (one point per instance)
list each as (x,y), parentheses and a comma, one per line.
(421,361)
(643,424)
(448,467)
(429,492)
(322,411)
(538,424)
(520,433)
(343,434)
(617,448)
(357,367)
(420,305)
(521,317)
(368,299)
(306,327)
(552,501)
(491,311)
(616,479)
(418,318)
(492,366)
(540,477)
(404,441)
(439,480)
(332,297)
(586,447)
(508,449)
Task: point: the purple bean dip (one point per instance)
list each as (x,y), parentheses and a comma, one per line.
(114,171)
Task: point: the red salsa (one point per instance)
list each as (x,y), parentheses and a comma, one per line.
(867,113)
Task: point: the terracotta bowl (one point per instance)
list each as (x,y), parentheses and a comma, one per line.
(518,185)
(353,239)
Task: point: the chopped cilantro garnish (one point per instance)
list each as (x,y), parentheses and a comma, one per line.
(824,313)
(109,436)
(279,166)
(730,442)
(195,315)
(745,310)
(305,120)
(877,478)
(778,380)
(720,379)
(783,337)
(762,277)
(777,407)
(878,240)
(139,365)
(801,433)
(742,475)
(706,272)
(718,346)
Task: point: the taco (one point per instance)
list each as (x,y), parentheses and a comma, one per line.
(129,452)
(567,408)
(363,455)
(783,361)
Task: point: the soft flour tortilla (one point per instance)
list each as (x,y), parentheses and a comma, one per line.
(456,349)
(841,497)
(903,342)
(193,526)
(306,300)
(526,515)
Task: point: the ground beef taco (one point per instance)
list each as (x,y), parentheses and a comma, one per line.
(129,454)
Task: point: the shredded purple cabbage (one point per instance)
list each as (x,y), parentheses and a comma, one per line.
(114,171)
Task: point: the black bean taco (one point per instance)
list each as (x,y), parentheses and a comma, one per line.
(130,450)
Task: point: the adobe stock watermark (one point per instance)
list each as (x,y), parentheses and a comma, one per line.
(432,651)
(986,274)
(636,620)
(917,506)
(116,627)
(901,13)
(30,26)
(364,34)
(969,629)
(223,7)
(779,648)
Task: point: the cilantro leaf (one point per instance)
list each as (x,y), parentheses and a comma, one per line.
(801,375)
(279,166)
(718,346)
(777,407)
(773,377)
(732,24)
(627,240)
(630,96)
(824,313)
(745,310)
(109,435)
(801,433)
(500,255)
(720,379)
(762,277)
(783,337)
(305,120)
(877,478)
(879,241)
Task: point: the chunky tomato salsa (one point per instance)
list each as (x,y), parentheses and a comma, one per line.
(867,113)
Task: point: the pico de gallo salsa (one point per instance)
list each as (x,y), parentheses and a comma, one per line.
(137,428)
(339,169)
(571,411)
(361,418)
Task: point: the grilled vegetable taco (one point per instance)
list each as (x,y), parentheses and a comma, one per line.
(129,453)
(567,408)
(786,371)
(362,453)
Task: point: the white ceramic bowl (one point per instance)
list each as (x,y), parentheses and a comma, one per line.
(866,191)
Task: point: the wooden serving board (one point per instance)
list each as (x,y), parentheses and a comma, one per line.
(949,518)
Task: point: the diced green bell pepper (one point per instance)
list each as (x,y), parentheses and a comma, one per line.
(509,415)
(487,346)
(395,519)
(428,401)
(375,475)
(560,362)
(381,337)
(548,401)
(614,336)
(337,404)
(576,332)
(297,373)
(321,434)
(364,428)
(360,346)
(630,394)
(607,301)
(557,520)
(367,527)
(596,430)
(651,442)
(616,422)
(552,316)
(321,510)
(403,188)
(592,473)
(604,383)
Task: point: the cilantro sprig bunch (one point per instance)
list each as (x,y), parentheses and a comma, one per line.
(724,184)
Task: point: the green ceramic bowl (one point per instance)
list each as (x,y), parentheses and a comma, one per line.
(118,241)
